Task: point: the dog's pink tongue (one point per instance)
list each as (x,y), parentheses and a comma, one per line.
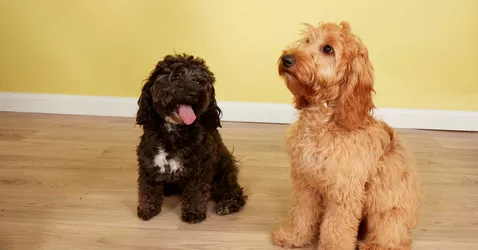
(187,114)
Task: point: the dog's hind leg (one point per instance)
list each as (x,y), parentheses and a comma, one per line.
(226,192)
(386,231)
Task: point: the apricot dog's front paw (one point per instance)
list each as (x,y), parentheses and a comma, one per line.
(284,239)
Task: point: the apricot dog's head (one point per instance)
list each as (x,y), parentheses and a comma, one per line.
(329,67)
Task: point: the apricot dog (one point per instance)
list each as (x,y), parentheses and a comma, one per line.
(354,181)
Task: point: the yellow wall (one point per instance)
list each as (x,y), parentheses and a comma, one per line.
(425,52)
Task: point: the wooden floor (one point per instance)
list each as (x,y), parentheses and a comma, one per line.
(69,182)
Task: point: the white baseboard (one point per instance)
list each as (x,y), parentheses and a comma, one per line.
(232,111)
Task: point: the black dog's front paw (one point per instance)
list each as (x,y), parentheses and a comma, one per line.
(193,217)
(147,214)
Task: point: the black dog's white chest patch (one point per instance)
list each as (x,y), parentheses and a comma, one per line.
(166,165)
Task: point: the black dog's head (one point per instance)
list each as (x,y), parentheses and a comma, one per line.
(180,91)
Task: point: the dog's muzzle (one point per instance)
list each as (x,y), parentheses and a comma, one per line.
(288,61)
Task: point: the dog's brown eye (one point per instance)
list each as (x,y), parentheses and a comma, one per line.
(307,40)
(327,49)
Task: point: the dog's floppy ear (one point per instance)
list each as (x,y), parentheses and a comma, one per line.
(355,101)
(146,113)
(211,118)
(145,103)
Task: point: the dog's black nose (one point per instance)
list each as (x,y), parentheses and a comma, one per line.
(288,61)
(193,95)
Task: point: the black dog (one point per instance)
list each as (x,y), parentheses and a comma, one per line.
(181,150)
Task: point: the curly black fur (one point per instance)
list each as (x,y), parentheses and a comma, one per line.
(175,158)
